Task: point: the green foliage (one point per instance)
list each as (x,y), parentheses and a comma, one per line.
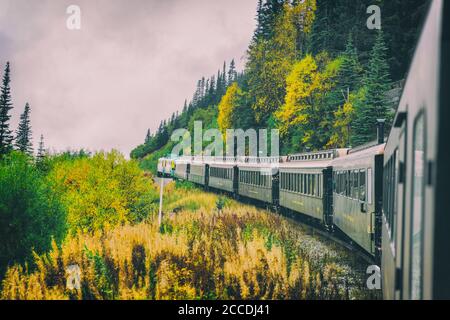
(103,191)
(23,134)
(270,61)
(102,275)
(307,87)
(30,211)
(6,137)
(376,106)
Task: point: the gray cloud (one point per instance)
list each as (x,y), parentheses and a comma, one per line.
(132,64)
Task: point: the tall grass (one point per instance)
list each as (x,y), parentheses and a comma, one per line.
(205,249)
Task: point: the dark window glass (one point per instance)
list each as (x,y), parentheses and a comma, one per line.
(362,185)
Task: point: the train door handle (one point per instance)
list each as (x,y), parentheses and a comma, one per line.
(363,207)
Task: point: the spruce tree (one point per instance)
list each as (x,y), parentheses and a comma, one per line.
(6,137)
(259,22)
(232,75)
(350,75)
(148,137)
(23,134)
(224,75)
(377,84)
(41,150)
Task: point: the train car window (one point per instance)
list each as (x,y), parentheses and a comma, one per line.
(362,185)
(369,185)
(355,185)
(417,208)
(303,183)
(339,183)
(347,184)
(309,184)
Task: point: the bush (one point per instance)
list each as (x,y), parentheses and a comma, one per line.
(103,191)
(30,212)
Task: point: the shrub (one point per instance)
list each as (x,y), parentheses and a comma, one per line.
(30,212)
(103,191)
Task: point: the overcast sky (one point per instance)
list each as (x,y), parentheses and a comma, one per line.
(132,63)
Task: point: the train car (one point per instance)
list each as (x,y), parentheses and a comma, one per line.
(415,234)
(182,169)
(166,167)
(259,181)
(198,172)
(223,176)
(306,184)
(357,194)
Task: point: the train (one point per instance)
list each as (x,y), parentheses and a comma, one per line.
(388,197)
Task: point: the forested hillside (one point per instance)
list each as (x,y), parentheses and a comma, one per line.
(314,71)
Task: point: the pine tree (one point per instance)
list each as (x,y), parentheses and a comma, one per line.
(148,137)
(224,76)
(41,150)
(376,106)
(23,133)
(232,75)
(269,13)
(259,22)
(6,137)
(350,75)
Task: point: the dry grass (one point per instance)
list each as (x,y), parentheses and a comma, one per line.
(198,253)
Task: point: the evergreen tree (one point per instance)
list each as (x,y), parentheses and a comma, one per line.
(6,137)
(23,133)
(376,106)
(259,22)
(224,76)
(148,137)
(351,69)
(269,13)
(41,150)
(232,74)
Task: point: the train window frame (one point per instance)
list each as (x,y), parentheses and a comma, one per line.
(369,182)
(416,290)
(363,187)
(356,185)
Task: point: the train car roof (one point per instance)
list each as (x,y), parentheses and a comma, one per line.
(311,164)
(363,156)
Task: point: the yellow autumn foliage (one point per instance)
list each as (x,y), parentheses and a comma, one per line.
(227,107)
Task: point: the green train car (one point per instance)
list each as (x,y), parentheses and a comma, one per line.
(306,184)
(223,176)
(198,173)
(259,182)
(357,192)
